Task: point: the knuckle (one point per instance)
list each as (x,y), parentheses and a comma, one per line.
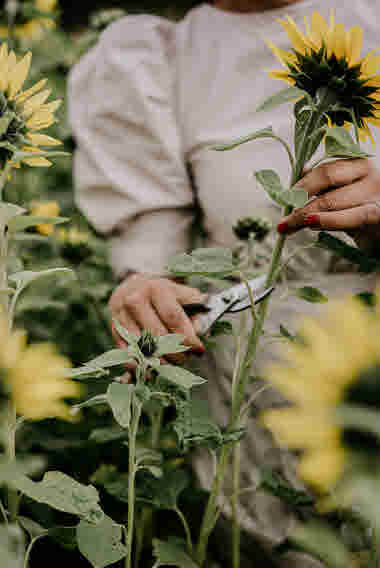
(331,173)
(325,203)
(371,214)
(133,300)
(174,317)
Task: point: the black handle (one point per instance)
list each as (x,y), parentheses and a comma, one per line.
(193,309)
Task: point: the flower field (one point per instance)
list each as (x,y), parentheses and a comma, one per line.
(96,463)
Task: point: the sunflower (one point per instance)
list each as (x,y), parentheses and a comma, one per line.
(33,29)
(337,362)
(328,56)
(35,377)
(23,113)
(45,209)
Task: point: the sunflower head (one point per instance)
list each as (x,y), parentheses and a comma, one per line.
(338,363)
(74,243)
(327,56)
(23,114)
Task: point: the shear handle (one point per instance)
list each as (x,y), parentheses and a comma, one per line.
(194,309)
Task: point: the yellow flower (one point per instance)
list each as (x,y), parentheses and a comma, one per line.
(327,55)
(34,29)
(35,377)
(72,236)
(321,375)
(23,113)
(45,209)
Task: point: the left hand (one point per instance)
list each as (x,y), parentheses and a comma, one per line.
(346,193)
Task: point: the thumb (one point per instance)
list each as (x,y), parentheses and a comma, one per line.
(189,295)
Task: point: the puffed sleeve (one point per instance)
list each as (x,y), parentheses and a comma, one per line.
(130,176)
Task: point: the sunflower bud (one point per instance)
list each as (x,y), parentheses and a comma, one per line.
(147,344)
(252,227)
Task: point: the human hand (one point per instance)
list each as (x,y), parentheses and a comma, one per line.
(155,304)
(347,198)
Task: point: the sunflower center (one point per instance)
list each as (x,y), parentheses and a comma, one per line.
(315,70)
(363,392)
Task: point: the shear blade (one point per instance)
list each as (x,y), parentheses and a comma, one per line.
(246,302)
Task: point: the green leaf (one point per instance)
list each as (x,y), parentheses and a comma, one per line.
(311,294)
(65,536)
(263,133)
(180,376)
(271,183)
(31,527)
(101,544)
(19,156)
(296,197)
(107,434)
(110,359)
(352,254)
(169,488)
(286,95)
(322,542)
(171,554)
(340,144)
(25,277)
(303,111)
(286,333)
(119,398)
(359,418)
(168,344)
(63,493)
(217,262)
(93,401)
(25,221)
(9,211)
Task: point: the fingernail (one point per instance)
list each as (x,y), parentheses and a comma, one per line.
(198,351)
(311,221)
(282,227)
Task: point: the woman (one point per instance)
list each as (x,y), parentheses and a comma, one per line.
(146,105)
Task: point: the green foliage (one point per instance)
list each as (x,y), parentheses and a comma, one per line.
(172,553)
(311,294)
(101,543)
(352,254)
(218,262)
(287,95)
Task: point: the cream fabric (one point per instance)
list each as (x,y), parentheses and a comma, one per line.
(147,103)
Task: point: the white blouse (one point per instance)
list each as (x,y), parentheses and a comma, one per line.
(152,98)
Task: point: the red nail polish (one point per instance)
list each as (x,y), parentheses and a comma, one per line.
(282,227)
(311,221)
(199,351)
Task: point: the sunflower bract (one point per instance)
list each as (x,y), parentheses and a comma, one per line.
(327,55)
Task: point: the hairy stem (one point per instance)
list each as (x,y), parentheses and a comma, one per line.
(236,460)
(132,469)
(189,542)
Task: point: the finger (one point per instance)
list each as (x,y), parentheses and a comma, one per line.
(189,295)
(171,312)
(357,218)
(147,318)
(346,197)
(334,174)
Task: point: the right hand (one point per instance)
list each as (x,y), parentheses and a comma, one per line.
(155,304)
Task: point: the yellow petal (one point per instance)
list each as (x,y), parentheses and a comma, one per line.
(19,74)
(37,162)
(283,75)
(354,44)
(369,66)
(338,41)
(42,140)
(36,102)
(320,29)
(368,132)
(284,56)
(322,469)
(298,40)
(22,97)
(53,106)
(40,120)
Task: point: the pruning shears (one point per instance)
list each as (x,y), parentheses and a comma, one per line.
(231,301)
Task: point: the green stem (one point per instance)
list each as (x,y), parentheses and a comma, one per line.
(186,527)
(144,521)
(13,496)
(29,549)
(239,391)
(132,469)
(236,462)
